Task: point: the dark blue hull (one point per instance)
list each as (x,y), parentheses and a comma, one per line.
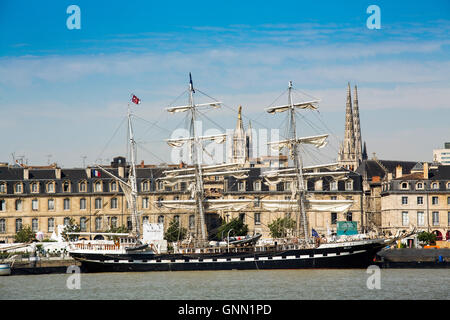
(355,256)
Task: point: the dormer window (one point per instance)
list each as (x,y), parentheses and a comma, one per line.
(435,185)
(51,187)
(18,188)
(349,185)
(82,186)
(241,186)
(257,186)
(448,186)
(113,186)
(419,185)
(98,186)
(34,187)
(2,187)
(66,186)
(145,186)
(404,185)
(333,185)
(160,185)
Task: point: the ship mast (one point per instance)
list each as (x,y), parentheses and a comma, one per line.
(300,189)
(195,152)
(132,178)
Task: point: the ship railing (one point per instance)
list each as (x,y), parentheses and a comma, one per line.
(96,247)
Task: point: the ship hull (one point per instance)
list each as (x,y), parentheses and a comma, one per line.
(350,256)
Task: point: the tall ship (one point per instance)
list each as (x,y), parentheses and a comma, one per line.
(129,252)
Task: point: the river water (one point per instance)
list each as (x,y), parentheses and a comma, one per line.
(323,284)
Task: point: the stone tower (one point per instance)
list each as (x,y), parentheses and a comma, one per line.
(238,151)
(347,155)
(357,128)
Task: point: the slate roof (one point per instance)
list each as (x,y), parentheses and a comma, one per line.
(372,168)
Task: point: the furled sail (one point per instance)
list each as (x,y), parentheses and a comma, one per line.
(237,174)
(311,205)
(274,177)
(209,204)
(318,141)
(302,105)
(219,138)
(215,104)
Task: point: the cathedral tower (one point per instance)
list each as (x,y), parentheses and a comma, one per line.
(348,153)
(357,128)
(238,150)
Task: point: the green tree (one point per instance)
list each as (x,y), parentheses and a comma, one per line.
(238,226)
(121,229)
(175,232)
(281,227)
(24,235)
(71,227)
(427,237)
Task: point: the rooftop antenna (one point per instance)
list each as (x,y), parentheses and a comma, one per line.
(84,161)
(48,158)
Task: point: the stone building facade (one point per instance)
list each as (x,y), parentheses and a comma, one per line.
(420,199)
(46,198)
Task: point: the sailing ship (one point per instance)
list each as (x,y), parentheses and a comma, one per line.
(129,253)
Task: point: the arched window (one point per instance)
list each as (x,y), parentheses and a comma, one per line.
(159,204)
(19,205)
(66,186)
(145,203)
(83,224)
(66,204)
(114,222)
(349,185)
(51,224)
(18,224)
(82,204)
(18,188)
(82,186)
(2,226)
(114,203)
(333,185)
(98,186)
(98,203)
(191,221)
(66,221)
(51,187)
(98,224)
(35,187)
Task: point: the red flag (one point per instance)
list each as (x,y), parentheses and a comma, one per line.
(135,99)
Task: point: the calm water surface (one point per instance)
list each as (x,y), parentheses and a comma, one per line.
(323,284)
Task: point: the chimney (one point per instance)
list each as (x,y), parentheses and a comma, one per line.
(88,172)
(142,164)
(121,171)
(425,170)
(26,173)
(58,173)
(398,171)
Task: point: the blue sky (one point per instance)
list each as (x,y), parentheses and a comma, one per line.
(64,92)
